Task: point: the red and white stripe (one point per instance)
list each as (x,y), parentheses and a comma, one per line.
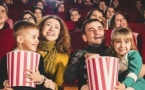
(102,73)
(17,63)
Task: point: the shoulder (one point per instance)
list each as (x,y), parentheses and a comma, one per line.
(62,57)
(80,52)
(134,53)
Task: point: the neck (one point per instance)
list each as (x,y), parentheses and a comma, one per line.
(1,26)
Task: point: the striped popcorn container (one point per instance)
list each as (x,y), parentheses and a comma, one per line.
(102,73)
(17,63)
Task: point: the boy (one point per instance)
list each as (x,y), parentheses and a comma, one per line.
(26,36)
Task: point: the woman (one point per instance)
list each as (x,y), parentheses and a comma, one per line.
(55,48)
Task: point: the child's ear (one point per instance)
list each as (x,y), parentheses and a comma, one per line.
(111,43)
(84,37)
(20,39)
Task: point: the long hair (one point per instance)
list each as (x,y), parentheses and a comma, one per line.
(112,23)
(122,33)
(63,41)
(105,13)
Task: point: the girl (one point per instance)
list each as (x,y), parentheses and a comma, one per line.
(123,47)
(55,48)
(74,14)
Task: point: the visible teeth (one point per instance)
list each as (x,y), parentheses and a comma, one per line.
(51,34)
(97,37)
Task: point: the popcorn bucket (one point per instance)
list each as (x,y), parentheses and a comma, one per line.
(102,73)
(17,63)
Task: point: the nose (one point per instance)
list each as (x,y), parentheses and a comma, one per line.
(37,40)
(122,44)
(96,32)
(51,28)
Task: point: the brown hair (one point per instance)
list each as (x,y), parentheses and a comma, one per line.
(63,41)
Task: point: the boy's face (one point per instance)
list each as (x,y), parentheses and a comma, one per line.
(29,39)
(74,15)
(51,29)
(3,15)
(94,33)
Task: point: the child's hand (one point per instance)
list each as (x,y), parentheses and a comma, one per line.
(49,84)
(91,55)
(6,85)
(120,86)
(85,87)
(35,76)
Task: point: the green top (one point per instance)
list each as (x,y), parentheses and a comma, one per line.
(134,66)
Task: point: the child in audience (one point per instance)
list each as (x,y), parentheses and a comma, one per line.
(26,36)
(55,48)
(130,61)
(28,16)
(74,14)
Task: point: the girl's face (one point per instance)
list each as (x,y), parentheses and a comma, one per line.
(97,15)
(40,4)
(38,14)
(74,15)
(122,46)
(110,13)
(51,29)
(28,18)
(120,21)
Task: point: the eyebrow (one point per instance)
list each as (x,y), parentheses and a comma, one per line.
(99,27)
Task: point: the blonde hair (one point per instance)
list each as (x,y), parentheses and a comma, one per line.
(123,33)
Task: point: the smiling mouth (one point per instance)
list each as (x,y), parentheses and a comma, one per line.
(50,34)
(97,37)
